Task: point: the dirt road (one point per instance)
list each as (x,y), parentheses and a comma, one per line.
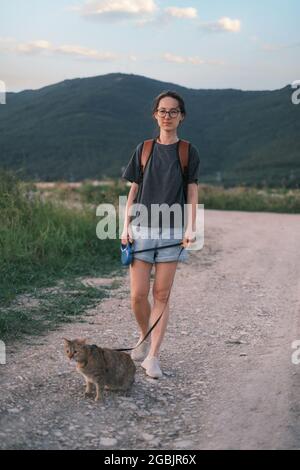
(229,379)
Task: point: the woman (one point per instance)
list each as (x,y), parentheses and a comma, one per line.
(162,184)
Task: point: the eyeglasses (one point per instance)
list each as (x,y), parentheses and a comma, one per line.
(173,113)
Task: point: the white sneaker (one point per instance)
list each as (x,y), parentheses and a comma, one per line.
(141,351)
(151,365)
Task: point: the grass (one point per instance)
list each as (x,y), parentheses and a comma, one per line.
(280,200)
(239,198)
(103,193)
(57,307)
(40,243)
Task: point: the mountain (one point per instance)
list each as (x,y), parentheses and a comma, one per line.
(89,128)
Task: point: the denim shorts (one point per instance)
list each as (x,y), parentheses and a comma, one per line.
(157,238)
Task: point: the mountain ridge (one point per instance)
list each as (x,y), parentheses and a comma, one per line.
(89,127)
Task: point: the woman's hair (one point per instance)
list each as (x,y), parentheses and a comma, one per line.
(172,94)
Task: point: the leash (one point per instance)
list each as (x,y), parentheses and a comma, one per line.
(158,248)
(154,325)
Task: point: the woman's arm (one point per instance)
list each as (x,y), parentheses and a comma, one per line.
(126,234)
(192,201)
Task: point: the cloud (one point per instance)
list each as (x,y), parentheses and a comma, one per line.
(189,13)
(224,24)
(148,13)
(116,10)
(142,12)
(278,47)
(31,47)
(168,57)
(84,52)
(43,47)
(269,47)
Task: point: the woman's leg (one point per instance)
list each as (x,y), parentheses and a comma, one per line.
(164,275)
(139,286)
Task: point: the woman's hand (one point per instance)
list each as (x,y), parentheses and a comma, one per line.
(188,238)
(126,236)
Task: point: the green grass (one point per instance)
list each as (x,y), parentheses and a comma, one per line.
(280,200)
(239,198)
(103,193)
(40,243)
(52,309)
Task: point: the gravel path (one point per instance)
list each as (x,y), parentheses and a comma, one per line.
(229,380)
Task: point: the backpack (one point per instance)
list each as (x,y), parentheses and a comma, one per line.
(183,151)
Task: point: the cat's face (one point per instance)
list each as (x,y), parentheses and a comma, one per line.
(75,349)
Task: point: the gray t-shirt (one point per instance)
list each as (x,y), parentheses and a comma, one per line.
(162,181)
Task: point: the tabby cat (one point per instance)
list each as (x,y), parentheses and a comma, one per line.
(113,370)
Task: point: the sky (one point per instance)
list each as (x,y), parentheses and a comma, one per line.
(203,44)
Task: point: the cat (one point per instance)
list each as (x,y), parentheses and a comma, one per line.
(113,370)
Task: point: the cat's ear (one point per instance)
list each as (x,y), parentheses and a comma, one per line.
(81,340)
(66,340)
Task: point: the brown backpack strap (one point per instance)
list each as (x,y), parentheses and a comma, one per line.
(146,152)
(183,152)
(184,155)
